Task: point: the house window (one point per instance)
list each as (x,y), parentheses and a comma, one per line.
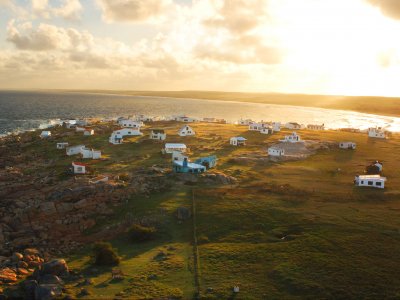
(378,183)
(79,169)
(362,181)
(370,183)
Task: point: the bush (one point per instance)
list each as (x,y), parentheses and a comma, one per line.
(139,233)
(105,254)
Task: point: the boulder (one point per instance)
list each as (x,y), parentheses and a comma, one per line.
(7,275)
(29,287)
(17,256)
(56,267)
(48,291)
(50,279)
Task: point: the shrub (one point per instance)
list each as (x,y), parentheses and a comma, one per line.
(139,233)
(124,177)
(105,254)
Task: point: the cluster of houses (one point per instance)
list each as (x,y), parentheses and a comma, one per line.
(180,161)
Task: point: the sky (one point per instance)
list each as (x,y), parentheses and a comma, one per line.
(342,47)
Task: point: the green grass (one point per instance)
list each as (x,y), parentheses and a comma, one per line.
(287,230)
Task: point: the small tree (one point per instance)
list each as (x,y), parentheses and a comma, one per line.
(139,233)
(105,254)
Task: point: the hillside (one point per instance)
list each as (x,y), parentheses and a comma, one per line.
(278,229)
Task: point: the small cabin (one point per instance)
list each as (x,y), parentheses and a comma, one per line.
(74,150)
(62,145)
(293,125)
(88,132)
(158,134)
(245,122)
(185,166)
(209,161)
(375,181)
(116,137)
(128,123)
(347,145)
(170,147)
(186,131)
(276,151)
(316,127)
(267,130)
(237,141)
(257,126)
(185,119)
(178,156)
(377,132)
(90,153)
(374,169)
(293,138)
(45,134)
(78,168)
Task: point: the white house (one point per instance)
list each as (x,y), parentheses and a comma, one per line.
(170,147)
(79,168)
(178,156)
(214,120)
(186,130)
(293,125)
(376,132)
(45,134)
(257,126)
(185,119)
(293,138)
(347,145)
(276,151)
(158,134)
(117,135)
(267,130)
(90,153)
(143,118)
(82,122)
(88,131)
(375,181)
(73,150)
(276,126)
(237,141)
(62,145)
(128,123)
(245,122)
(316,127)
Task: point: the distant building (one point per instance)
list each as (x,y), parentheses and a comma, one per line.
(186,131)
(316,127)
(74,150)
(88,131)
(80,129)
(276,126)
(293,125)
(276,151)
(209,161)
(170,147)
(267,130)
(117,135)
(237,141)
(45,134)
(128,123)
(185,119)
(90,153)
(185,166)
(376,132)
(62,145)
(245,122)
(78,168)
(375,181)
(293,138)
(347,145)
(158,134)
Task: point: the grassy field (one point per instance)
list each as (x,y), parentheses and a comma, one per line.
(366,104)
(286,230)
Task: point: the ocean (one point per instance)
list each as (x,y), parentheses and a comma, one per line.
(20,110)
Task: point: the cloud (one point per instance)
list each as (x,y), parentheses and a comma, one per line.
(390,8)
(239,16)
(133,10)
(68,9)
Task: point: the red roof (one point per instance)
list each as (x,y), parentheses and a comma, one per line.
(78,164)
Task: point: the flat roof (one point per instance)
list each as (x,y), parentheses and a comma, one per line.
(173,145)
(371,177)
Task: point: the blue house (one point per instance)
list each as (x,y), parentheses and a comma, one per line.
(209,161)
(186,167)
